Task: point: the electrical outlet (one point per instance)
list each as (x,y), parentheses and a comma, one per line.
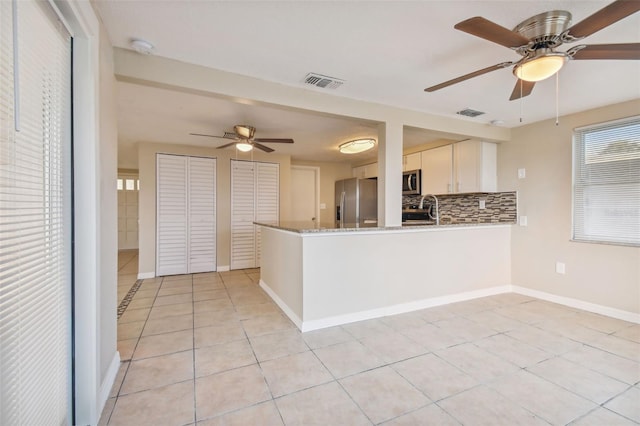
(560,268)
(323,206)
(523,221)
(522,173)
(482,204)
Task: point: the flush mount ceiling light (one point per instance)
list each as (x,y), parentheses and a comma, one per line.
(542,65)
(357,146)
(141,46)
(244,147)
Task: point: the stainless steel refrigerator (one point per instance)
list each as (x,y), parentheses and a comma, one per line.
(356,203)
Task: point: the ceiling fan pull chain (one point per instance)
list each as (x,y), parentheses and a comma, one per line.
(521,100)
(557,97)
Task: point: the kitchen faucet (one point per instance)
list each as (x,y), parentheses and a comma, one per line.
(437,218)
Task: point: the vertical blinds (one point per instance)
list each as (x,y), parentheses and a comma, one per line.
(35,284)
(606,191)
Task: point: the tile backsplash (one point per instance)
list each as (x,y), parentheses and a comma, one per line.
(500,207)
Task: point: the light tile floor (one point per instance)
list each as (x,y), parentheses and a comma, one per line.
(213,349)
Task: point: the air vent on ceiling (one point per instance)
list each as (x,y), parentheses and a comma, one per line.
(468,112)
(323,81)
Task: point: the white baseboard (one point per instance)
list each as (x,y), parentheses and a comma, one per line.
(146,275)
(285,308)
(107,383)
(379,312)
(223,268)
(402,308)
(580,304)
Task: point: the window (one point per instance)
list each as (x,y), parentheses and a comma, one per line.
(606,183)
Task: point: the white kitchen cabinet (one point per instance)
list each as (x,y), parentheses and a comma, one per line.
(467,166)
(475,166)
(437,170)
(366,171)
(411,162)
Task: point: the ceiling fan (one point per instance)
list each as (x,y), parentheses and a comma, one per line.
(244,140)
(537,38)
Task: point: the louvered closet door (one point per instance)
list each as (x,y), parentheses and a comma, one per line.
(267,197)
(171,226)
(243,238)
(202,215)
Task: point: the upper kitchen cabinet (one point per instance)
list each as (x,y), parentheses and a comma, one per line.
(475,167)
(366,171)
(467,166)
(437,170)
(411,162)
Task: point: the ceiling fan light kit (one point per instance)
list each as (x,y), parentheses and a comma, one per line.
(357,146)
(244,147)
(541,66)
(536,38)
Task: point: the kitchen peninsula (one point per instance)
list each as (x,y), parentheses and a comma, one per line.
(323,276)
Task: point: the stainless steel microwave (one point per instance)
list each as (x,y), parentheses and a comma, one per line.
(411,181)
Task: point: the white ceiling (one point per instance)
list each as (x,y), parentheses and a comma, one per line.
(387,51)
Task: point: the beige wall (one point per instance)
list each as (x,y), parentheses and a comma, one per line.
(329,174)
(108,222)
(147,197)
(602,274)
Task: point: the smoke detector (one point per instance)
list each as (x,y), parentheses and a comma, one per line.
(142,46)
(323,81)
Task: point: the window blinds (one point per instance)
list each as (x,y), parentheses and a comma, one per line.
(606,190)
(35,284)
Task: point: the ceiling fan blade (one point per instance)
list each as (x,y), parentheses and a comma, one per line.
(262,147)
(604,17)
(209,136)
(229,135)
(226,145)
(522,89)
(483,28)
(271,140)
(468,76)
(608,51)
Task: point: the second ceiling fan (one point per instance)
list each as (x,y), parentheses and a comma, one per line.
(536,39)
(244,140)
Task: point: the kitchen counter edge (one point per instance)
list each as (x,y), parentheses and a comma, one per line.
(306,228)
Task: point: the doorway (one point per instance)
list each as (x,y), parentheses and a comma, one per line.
(305,193)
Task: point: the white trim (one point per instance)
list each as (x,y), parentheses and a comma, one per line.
(223,268)
(285,308)
(401,308)
(109,380)
(146,275)
(579,304)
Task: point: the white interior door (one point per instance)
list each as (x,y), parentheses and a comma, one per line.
(243,202)
(255,196)
(202,215)
(304,192)
(267,200)
(172,210)
(186,215)
(128,189)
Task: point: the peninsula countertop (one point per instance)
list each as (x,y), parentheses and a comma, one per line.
(311,227)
